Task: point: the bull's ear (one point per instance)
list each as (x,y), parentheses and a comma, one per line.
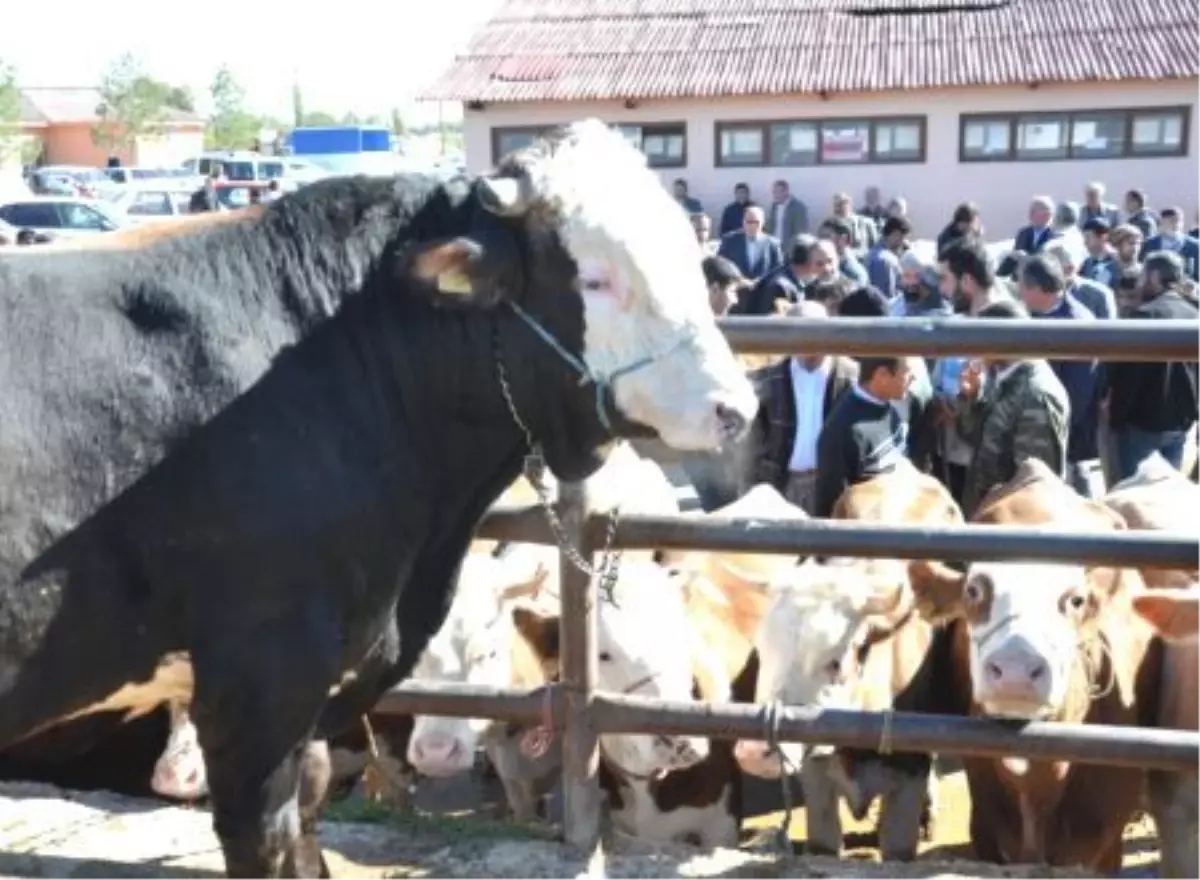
(937,589)
(1174,614)
(448,264)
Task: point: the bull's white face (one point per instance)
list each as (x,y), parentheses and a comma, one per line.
(807,647)
(1024,622)
(644,643)
(643,291)
(474,646)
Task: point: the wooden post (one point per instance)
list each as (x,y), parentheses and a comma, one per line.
(577,638)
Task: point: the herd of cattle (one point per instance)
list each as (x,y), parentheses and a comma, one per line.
(242,461)
(1034,641)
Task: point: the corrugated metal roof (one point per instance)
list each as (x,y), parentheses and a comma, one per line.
(562,50)
(78,105)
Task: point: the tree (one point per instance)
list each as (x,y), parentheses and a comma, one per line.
(230,127)
(132,104)
(297,106)
(181,98)
(10,113)
(319,117)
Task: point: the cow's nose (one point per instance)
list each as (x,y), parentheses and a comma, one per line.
(733,424)
(1016,669)
(750,750)
(436,750)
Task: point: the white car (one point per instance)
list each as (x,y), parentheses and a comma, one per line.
(139,203)
(61,216)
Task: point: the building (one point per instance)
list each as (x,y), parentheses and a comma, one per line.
(63,120)
(991,100)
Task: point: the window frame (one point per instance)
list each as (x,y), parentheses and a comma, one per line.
(664,127)
(765,128)
(1129,115)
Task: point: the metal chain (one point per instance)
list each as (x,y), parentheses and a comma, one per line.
(607,572)
(783,840)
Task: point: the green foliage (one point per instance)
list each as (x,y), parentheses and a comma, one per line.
(319,117)
(132,104)
(10,113)
(231,127)
(181,98)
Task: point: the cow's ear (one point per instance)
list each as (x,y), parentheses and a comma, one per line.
(1174,614)
(541,632)
(937,589)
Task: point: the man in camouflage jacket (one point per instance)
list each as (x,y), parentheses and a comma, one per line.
(1020,412)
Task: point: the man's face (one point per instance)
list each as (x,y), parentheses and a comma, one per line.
(822,259)
(702,227)
(779,192)
(1095,243)
(841,206)
(1168,225)
(1039,215)
(1035,299)
(1129,247)
(741,195)
(1132,206)
(752,224)
(897,242)
(953,289)
(722,297)
(1092,197)
(893,385)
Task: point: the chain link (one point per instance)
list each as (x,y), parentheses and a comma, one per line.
(607,572)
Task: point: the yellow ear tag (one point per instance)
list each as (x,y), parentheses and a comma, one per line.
(454,283)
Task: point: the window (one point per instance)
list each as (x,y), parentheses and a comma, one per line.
(76,216)
(665,144)
(1075,134)
(35,215)
(151,204)
(506,140)
(820,142)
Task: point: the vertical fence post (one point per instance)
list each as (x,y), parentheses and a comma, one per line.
(577,629)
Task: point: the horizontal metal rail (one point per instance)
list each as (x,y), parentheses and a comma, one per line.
(1123,340)
(845,538)
(1107,745)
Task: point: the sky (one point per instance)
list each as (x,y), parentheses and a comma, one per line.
(364,56)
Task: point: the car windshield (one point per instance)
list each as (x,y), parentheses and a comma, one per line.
(270,170)
(238,169)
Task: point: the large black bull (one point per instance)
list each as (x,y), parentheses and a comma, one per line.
(260,443)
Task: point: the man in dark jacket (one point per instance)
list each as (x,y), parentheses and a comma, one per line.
(1171,237)
(807,262)
(1100,265)
(1040,231)
(965,221)
(1138,214)
(735,211)
(1095,208)
(205,198)
(1152,406)
(1044,292)
(797,395)
(754,252)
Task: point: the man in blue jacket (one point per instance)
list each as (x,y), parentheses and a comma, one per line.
(1040,231)
(1044,292)
(1171,237)
(750,249)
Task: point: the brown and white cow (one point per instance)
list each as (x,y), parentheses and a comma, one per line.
(1050,642)
(1159,497)
(844,635)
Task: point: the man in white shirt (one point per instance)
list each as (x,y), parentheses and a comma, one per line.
(798,394)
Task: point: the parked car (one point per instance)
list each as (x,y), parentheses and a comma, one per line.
(153,200)
(89,183)
(126,174)
(61,216)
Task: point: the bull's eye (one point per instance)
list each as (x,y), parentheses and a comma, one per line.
(1076,602)
(834,669)
(973,593)
(605,657)
(594,284)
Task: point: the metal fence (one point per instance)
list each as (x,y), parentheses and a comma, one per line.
(580,713)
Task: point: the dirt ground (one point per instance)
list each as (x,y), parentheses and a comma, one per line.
(47,832)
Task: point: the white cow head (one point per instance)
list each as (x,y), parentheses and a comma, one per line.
(1032,628)
(809,641)
(474,646)
(613,274)
(645,645)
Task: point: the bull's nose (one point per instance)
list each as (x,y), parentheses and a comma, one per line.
(436,750)
(733,423)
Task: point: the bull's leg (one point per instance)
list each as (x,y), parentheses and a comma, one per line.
(257,698)
(821,803)
(304,859)
(900,817)
(1173,798)
(179,772)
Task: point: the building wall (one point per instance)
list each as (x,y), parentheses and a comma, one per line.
(72,144)
(933,188)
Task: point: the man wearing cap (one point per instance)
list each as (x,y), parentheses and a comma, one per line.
(798,393)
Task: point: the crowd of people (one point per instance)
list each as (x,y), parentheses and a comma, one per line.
(828,422)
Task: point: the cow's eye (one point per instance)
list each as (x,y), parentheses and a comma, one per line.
(973,592)
(1076,601)
(834,668)
(605,657)
(594,284)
